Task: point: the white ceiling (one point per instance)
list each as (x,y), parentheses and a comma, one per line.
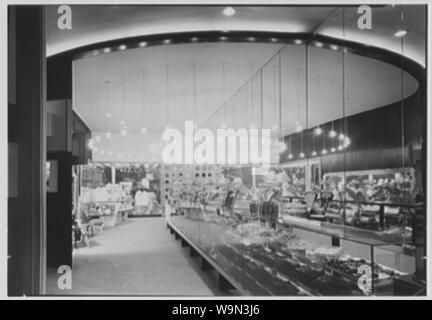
(369,84)
(92,24)
(168,83)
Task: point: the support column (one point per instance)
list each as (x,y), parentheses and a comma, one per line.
(27,217)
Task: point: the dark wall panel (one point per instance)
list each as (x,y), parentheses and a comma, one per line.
(26,212)
(376,138)
(59,77)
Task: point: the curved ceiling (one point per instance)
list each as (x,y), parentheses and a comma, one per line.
(93,24)
(165,93)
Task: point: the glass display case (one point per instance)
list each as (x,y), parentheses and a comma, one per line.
(254,225)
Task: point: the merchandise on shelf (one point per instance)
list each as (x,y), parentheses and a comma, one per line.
(397,186)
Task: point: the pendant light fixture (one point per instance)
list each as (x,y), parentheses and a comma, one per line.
(343,129)
(143,127)
(290,155)
(332,132)
(313,154)
(123,130)
(167,104)
(274,127)
(280,95)
(194,91)
(108,115)
(97,137)
(343,137)
(252,108)
(261,100)
(324,150)
(307,95)
(318,130)
(224,111)
(299,127)
(402,33)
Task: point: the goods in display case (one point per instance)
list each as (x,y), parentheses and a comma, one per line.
(266,261)
(396,186)
(290,179)
(247,222)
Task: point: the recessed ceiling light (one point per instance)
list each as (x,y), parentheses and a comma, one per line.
(142,44)
(122,47)
(318,44)
(273,39)
(194,39)
(400,33)
(334,47)
(222,38)
(229,11)
(107,50)
(251,38)
(298,41)
(167,41)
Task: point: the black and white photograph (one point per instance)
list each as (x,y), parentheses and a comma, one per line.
(216,150)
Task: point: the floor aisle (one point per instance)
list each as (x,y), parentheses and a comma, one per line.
(137,257)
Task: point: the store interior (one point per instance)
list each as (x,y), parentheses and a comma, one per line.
(346,112)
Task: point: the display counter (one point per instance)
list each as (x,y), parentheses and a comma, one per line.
(263,261)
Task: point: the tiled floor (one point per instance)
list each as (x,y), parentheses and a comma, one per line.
(137,257)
